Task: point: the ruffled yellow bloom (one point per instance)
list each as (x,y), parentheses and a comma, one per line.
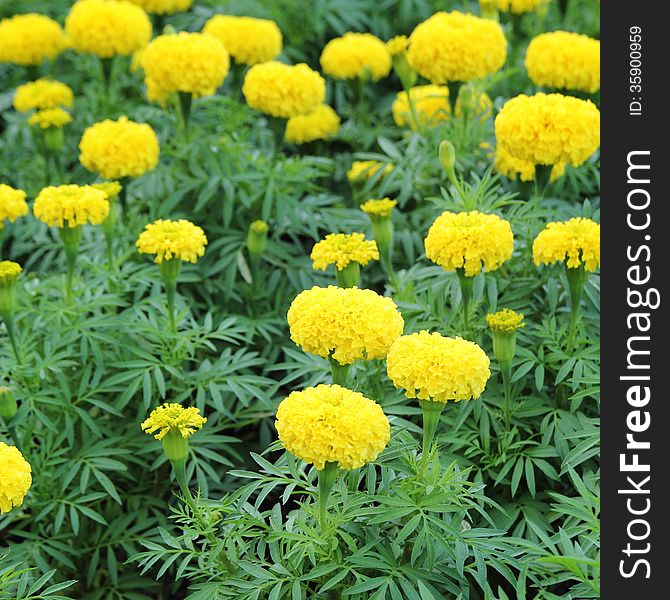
(548,129)
(397,45)
(331,424)
(505,321)
(164,7)
(194,63)
(429,366)
(456,47)
(356,55)
(561,59)
(50,117)
(250,41)
(71,205)
(346,324)
(12,204)
(15,477)
(43,94)
(9,271)
(519,7)
(469,241)
(379,208)
(107,28)
(116,149)
(173,417)
(283,91)
(505,164)
(166,239)
(110,188)
(365,169)
(575,242)
(340,249)
(321,124)
(30,39)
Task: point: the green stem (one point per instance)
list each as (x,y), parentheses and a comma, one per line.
(11,333)
(466,284)
(170,271)
(326,477)
(278,127)
(431,419)
(185,102)
(340,373)
(506,371)
(454,89)
(576,281)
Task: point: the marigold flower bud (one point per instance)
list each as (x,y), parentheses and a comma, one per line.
(504,325)
(8,406)
(257,238)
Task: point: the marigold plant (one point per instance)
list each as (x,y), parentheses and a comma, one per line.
(575,242)
(43,94)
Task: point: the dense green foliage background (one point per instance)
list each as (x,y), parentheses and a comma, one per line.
(511,514)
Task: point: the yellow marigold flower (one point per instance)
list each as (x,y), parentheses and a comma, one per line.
(172,239)
(15,477)
(250,41)
(365,169)
(107,28)
(456,47)
(12,204)
(43,94)
(321,124)
(561,59)
(9,271)
(71,205)
(340,249)
(469,241)
(121,148)
(50,117)
(429,366)
(574,242)
(519,7)
(505,164)
(356,55)
(548,129)
(164,7)
(431,103)
(110,188)
(30,39)
(505,321)
(397,45)
(346,324)
(283,91)
(379,208)
(194,63)
(173,417)
(331,424)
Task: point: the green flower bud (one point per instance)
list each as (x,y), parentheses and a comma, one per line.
(8,406)
(257,237)
(447,155)
(489,9)
(175,446)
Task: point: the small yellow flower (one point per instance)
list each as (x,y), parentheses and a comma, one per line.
(50,117)
(429,366)
(71,205)
(356,55)
(9,271)
(505,321)
(250,41)
(12,204)
(175,418)
(365,169)
(397,45)
(15,477)
(30,39)
(562,59)
(166,239)
(379,208)
(321,124)
(121,148)
(431,103)
(164,7)
(283,91)
(469,241)
(107,28)
(331,424)
(549,129)
(456,47)
(43,94)
(194,63)
(340,249)
(519,7)
(505,164)
(575,242)
(346,324)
